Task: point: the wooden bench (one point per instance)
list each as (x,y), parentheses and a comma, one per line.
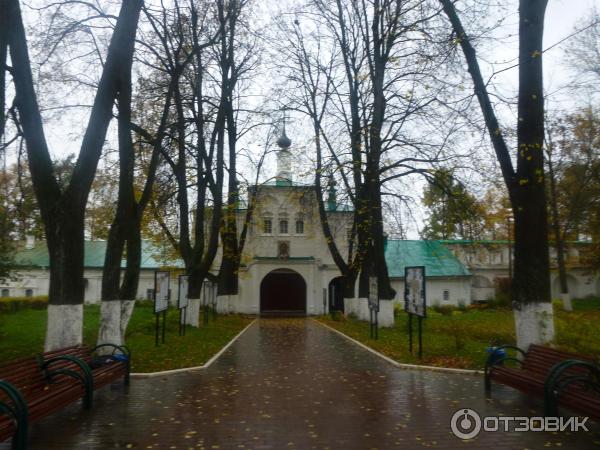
(558,377)
(28,394)
(33,388)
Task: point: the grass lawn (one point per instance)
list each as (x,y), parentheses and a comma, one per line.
(459,339)
(22,334)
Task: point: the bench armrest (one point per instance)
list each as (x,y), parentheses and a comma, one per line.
(122,348)
(557,380)
(18,411)
(85,376)
(493,360)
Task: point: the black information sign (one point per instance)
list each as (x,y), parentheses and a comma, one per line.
(415,301)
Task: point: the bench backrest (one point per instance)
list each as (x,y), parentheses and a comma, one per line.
(78,351)
(24,374)
(540,359)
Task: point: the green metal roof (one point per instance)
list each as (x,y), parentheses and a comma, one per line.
(339,207)
(499,242)
(471,242)
(94,256)
(438,260)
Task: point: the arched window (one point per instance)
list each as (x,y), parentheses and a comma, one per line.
(28,292)
(5,293)
(299,226)
(283,227)
(267,226)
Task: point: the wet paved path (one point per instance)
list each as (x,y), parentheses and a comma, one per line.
(293,384)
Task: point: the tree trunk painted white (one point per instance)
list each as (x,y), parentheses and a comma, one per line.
(126,312)
(534,323)
(193,312)
(224,304)
(65,326)
(110,323)
(566,301)
(385,317)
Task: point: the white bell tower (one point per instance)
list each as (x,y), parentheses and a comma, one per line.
(284,160)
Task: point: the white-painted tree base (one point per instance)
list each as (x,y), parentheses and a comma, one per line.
(110,323)
(65,326)
(566,301)
(360,308)
(114,318)
(192,316)
(534,323)
(126,313)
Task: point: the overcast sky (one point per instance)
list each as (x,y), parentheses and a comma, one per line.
(561,18)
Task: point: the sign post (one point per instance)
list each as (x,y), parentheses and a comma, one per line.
(182,302)
(205,301)
(415,302)
(373,308)
(161,301)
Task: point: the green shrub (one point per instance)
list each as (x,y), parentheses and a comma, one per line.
(500,301)
(8,304)
(478,306)
(445,310)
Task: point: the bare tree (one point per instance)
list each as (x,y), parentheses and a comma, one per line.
(583,53)
(204,125)
(63,210)
(363,73)
(525,184)
(125,233)
(238,58)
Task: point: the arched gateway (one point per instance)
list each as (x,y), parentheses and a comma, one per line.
(283,291)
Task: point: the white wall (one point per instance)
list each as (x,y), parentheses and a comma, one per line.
(38,280)
(459,290)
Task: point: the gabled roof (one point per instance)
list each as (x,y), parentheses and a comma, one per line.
(94,256)
(438,260)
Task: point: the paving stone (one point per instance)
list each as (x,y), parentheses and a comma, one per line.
(293,384)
